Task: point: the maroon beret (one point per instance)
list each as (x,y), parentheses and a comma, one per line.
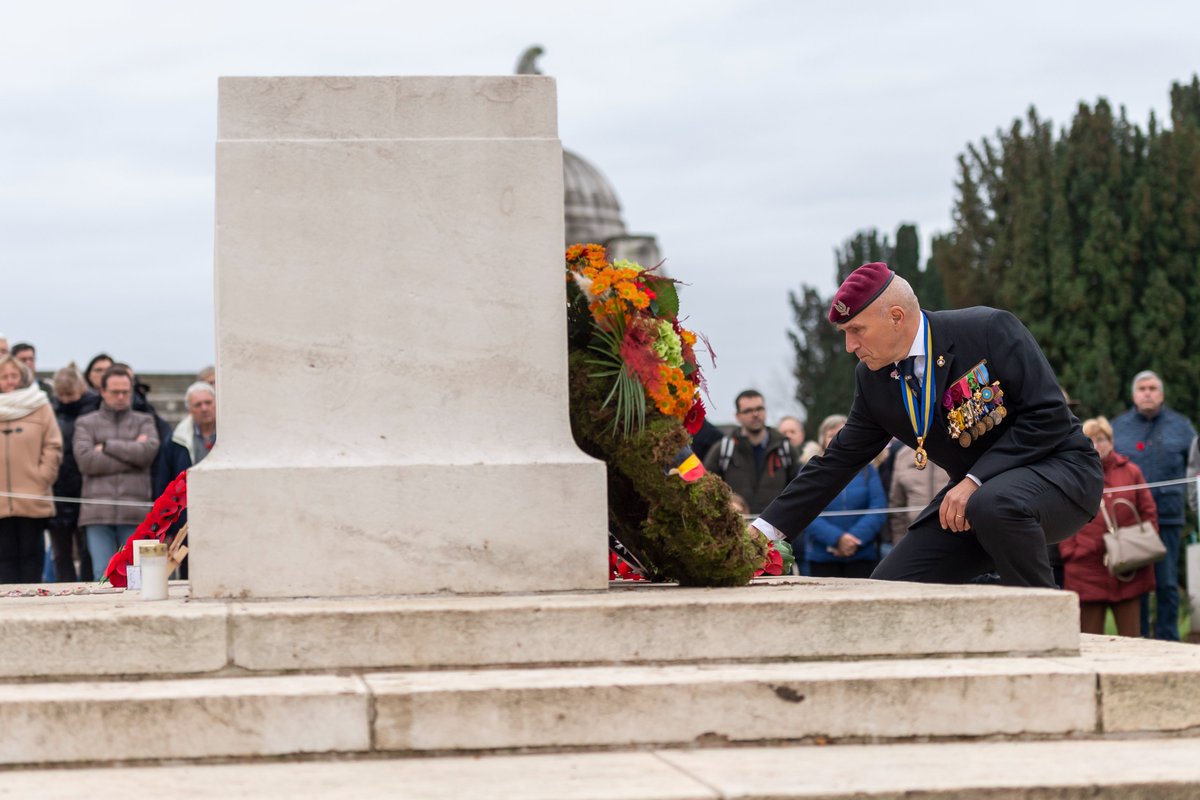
(859,290)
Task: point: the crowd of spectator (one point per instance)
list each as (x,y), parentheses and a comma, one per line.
(1149,443)
(81,459)
(83,455)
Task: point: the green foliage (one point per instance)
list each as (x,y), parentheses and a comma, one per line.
(824,371)
(667,301)
(679,531)
(1092,237)
(627,395)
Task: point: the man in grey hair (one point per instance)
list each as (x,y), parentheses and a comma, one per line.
(1158,440)
(190,443)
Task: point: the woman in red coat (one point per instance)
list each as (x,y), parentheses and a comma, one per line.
(1083,554)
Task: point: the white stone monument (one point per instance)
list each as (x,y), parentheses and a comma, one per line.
(391,346)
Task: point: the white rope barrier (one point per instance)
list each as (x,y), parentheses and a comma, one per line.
(78,500)
(846,513)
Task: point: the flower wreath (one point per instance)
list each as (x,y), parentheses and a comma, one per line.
(635,403)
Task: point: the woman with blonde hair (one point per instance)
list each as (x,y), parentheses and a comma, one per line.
(1084,571)
(30,452)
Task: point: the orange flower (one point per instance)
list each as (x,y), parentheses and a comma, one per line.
(675,393)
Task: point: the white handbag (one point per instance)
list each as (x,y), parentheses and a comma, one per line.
(1132,547)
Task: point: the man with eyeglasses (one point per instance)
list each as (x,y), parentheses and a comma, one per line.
(114,447)
(756,460)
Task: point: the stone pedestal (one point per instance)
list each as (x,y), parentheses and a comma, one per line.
(391,346)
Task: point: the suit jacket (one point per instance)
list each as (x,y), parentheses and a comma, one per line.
(1039,431)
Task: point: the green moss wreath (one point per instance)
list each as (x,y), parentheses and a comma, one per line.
(634,387)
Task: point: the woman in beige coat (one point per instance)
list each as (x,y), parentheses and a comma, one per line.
(30,452)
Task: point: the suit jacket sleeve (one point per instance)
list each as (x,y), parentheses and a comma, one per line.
(1042,420)
(825,475)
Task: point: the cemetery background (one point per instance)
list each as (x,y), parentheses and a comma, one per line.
(320,681)
(631,692)
(751,137)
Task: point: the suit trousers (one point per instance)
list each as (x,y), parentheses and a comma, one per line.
(1013,517)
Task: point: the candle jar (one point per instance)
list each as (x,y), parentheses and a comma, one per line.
(154,572)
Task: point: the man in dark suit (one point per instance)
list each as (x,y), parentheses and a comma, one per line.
(971,391)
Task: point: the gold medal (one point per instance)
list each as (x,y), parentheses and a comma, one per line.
(980,429)
(965,439)
(920,458)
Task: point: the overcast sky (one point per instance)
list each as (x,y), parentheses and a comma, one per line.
(750,137)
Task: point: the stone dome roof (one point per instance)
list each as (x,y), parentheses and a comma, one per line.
(592,211)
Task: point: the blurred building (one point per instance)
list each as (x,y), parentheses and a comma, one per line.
(590,205)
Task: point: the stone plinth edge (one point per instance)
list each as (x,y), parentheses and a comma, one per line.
(504,107)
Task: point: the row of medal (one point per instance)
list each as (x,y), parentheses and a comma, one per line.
(974,405)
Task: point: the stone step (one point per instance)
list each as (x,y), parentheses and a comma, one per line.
(1114,686)
(1111,688)
(51,723)
(781,619)
(1162,769)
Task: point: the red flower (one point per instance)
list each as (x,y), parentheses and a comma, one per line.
(774,563)
(695,417)
(619,568)
(166,510)
(639,356)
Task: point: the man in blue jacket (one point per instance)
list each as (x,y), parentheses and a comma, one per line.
(1158,440)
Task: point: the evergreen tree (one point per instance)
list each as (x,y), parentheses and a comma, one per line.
(824,370)
(1092,237)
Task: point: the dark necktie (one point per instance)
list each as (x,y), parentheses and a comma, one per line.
(908,370)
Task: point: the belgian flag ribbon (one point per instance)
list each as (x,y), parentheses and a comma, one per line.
(685,465)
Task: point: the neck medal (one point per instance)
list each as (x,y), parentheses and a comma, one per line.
(920,408)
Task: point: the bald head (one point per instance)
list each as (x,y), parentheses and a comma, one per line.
(900,294)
